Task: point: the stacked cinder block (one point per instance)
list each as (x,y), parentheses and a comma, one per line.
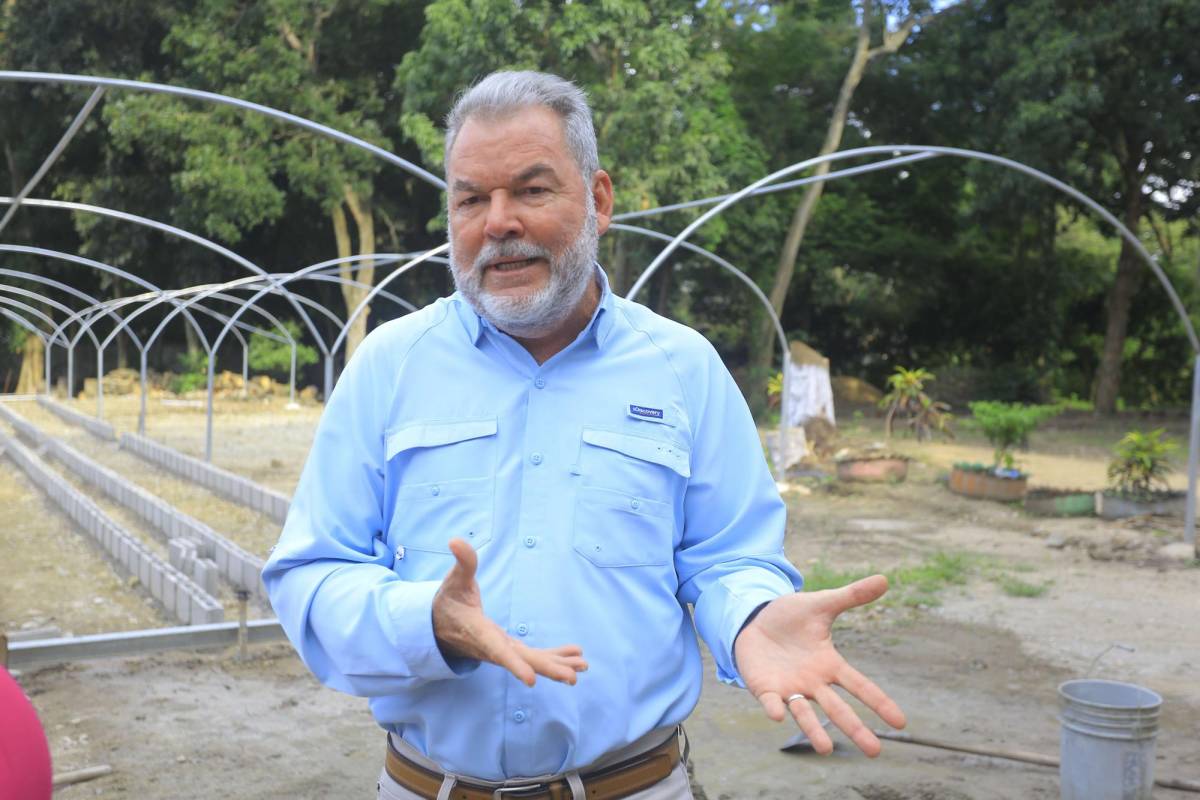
(98,427)
(233,487)
(179,594)
(241,568)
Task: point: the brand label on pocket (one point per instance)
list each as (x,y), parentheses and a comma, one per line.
(645,412)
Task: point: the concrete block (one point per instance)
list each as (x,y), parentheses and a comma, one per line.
(146,567)
(170,587)
(221,557)
(183,603)
(206,611)
(156,584)
(204,573)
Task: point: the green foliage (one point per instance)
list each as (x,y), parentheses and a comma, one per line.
(774,389)
(913,585)
(1015,587)
(14,336)
(906,395)
(1008,425)
(191,372)
(1141,462)
(269,355)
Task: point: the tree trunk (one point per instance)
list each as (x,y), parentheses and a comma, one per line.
(361,271)
(786,267)
(31,379)
(1120,298)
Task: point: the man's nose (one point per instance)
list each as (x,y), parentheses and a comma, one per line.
(503,221)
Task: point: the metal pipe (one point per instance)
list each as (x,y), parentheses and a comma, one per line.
(76,124)
(780,187)
(951,151)
(212,97)
(1189,525)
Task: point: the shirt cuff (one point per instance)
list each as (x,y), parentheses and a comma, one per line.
(743,598)
(410,612)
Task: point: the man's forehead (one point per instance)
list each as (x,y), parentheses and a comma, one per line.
(525,143)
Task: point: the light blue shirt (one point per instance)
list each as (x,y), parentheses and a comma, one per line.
(604,490)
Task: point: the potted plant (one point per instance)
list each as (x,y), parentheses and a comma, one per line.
(1006,426)
(878,466)
(906,396)
(1141,463)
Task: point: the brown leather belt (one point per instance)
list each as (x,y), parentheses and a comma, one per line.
(611,783)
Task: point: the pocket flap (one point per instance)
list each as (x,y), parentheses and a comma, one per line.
(656,451)
(436,434)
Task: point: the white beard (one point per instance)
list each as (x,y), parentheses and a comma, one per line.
(541,311)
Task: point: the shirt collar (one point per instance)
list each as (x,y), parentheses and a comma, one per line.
(599,328)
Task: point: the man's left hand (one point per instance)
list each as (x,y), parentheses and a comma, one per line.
(787,650)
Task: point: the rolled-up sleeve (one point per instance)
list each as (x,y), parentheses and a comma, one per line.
(354,622)
(730,561)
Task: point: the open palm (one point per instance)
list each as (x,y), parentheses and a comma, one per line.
(787,650)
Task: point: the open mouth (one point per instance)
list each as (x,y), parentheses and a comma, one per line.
(510,266)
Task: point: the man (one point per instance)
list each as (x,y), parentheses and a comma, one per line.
(534,472)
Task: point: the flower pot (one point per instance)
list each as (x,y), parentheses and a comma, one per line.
(986,485)
(873,470)
(1112,505)
(1060,503)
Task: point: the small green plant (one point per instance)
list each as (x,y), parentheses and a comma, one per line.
(906,396)
(192,372)
(1015,587)
(1008,425)
(774,389)
(269,355)
(1142,461)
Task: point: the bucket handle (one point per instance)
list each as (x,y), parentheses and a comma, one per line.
(1104,652)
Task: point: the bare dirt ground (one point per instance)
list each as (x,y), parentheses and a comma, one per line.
(990,610)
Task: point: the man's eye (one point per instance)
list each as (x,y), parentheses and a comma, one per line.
(535,190)
(468,201)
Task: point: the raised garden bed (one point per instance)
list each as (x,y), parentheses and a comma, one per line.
(1116,505)
(1060,502)
(873,469)
(986,483)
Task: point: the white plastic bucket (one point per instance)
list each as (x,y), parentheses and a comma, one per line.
(1109,731)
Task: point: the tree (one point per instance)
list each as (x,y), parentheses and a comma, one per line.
(1106,91)
(656,74)
(868,16)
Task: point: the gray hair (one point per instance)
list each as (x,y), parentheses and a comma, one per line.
(505,92)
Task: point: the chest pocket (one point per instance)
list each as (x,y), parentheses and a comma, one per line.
(443,472)
(625,511)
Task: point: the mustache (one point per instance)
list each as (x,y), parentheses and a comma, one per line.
(508,248)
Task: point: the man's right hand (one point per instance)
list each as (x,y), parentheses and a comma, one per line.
(462,630)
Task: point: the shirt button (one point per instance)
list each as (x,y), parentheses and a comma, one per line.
(522,629)
(435,491)
(536,458)
(518,716)
(540,383)
(635,503)
(530,541)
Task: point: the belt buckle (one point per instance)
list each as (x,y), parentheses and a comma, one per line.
(519,790)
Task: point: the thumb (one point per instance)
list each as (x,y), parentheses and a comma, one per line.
(465,561)
(856,594)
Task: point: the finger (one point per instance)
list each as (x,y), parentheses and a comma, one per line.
(847,721)
(565,650)
(500,649)
(872,696)
(465,560)
(773,705)
(856,594)
(546,663)
(806,718)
